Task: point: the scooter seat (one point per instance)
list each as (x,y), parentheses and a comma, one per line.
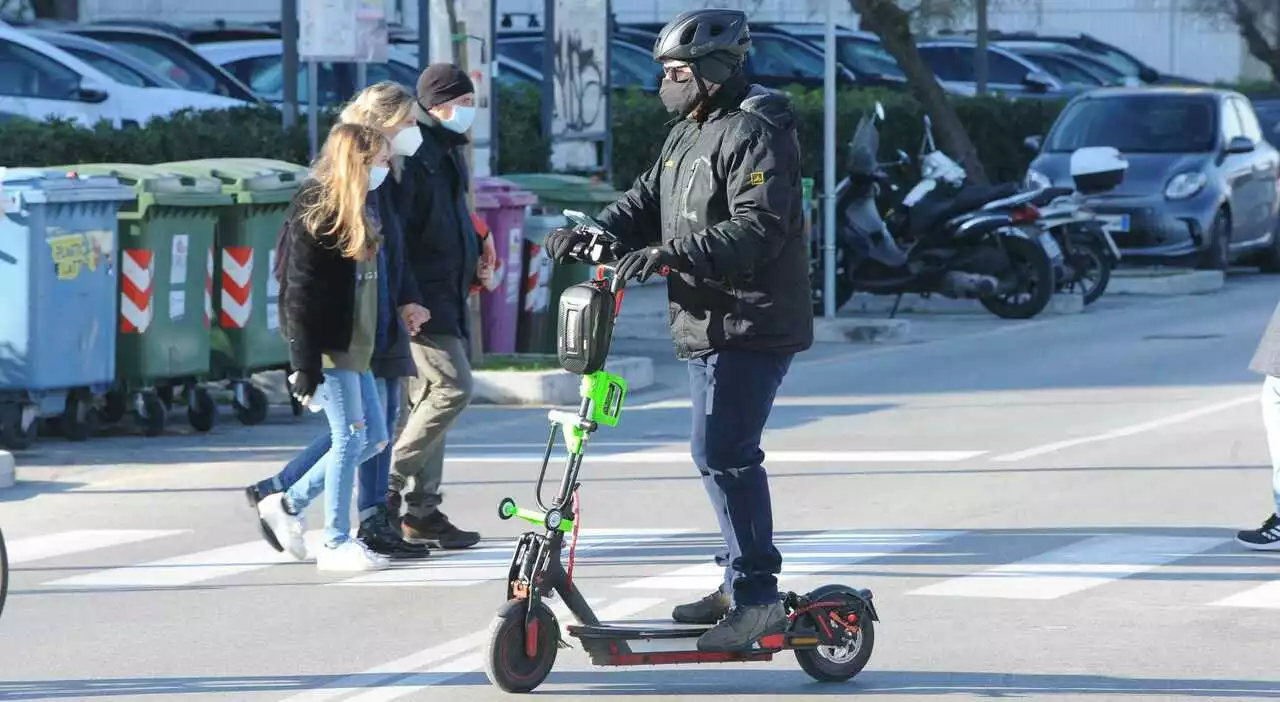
(1051,194)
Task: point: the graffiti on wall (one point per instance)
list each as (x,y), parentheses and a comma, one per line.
(580,81)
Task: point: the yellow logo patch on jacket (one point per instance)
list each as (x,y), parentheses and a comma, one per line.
(757,177)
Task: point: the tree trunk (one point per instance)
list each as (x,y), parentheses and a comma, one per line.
(893,25)
(1250,25)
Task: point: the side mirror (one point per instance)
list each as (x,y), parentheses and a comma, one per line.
(879,111)
(1033,143)
(1240,145)
(90,91)
(1148,74)
(1039,82)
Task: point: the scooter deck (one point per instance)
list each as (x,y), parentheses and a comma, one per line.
(665,643)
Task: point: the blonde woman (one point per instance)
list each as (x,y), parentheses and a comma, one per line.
(334,312)
(389,108)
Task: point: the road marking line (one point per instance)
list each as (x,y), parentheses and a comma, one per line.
(189,569)
(1265,596)
(66,543)
(771,457)
(447,670)
(483,565)
(805,555)
(1128,431)
(1079,566)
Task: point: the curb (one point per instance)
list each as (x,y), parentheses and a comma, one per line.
(861,303)
(850,329)
(1165,282)
(553,387)
(8,470)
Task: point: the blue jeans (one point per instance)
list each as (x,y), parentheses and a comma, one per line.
(733,392)
(374,474)
(357,432)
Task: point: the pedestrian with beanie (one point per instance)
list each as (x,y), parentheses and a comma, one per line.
(445,254)
(1267,363)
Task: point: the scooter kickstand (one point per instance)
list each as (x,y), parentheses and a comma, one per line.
(893,313)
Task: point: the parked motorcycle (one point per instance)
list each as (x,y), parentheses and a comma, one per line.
(1089,252)
(947,237)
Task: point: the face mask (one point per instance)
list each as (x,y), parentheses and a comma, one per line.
(377,175)
(461,120)
(680,98)
(407,141)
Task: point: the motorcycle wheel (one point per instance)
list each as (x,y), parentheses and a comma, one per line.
(1093,270)
(817,273)
(1033,270)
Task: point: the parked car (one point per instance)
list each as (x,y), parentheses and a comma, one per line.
(1267,107)
(1068,63)
(200,32)
(39,80)
(777,59)
(1202,181)
(629,65)
(171,56)
(119,65)
(1009,74)
(859,52)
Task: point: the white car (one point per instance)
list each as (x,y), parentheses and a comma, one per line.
(39,80)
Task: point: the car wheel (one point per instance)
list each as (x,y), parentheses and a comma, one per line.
(1217,254)
(1269,261)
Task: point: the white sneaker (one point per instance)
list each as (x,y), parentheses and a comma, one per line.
(287,528)
(350,555)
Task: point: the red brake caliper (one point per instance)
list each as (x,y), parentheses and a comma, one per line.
(573,543)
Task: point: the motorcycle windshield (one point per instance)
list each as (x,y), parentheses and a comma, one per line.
(863,148)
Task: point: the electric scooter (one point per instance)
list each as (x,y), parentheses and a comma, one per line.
(831,629)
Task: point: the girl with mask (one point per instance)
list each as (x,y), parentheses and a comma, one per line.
(388,107)
(334,312)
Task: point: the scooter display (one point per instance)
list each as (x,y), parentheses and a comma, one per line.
(830,630)
(945,237)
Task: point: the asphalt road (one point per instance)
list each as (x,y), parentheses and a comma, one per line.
(1044,510)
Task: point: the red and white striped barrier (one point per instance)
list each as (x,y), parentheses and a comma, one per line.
(237,286)
(137,267)
(208,287)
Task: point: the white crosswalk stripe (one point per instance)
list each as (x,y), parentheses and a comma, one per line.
(68,543)
(1070,569)
(1265,596)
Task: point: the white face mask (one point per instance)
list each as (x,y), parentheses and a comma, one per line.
(377,175)
(408,141)
(461,120)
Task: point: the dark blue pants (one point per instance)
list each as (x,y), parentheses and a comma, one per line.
(733,393)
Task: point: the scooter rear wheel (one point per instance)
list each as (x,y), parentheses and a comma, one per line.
(509,665)
(839,664)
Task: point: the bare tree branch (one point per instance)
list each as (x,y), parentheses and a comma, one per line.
(1258,22)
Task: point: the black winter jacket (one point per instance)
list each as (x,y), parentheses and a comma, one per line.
(317,294)
(439,236)
(725,195)
(396,361)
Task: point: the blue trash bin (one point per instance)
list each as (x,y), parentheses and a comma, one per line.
(58,301)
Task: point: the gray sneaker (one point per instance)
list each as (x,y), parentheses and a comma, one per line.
(707,610)
(745,625)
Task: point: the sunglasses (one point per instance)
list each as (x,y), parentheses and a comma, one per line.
(678,74)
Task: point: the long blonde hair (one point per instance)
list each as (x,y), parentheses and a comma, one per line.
(385,105)
(342,181)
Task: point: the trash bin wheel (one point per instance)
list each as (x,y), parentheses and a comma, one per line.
(256,412)
(15,437)
(165,393)
(115,407)
(154,415)
(202,412)
(80,418)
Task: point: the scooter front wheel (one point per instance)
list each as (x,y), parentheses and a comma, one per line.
(521,657)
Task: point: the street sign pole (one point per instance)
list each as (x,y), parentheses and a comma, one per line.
(313,109)
(829,168)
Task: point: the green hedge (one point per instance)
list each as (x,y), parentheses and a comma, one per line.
(997,127)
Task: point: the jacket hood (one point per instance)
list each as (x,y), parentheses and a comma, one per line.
(772,106)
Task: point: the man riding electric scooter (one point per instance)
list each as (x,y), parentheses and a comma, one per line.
(721,210)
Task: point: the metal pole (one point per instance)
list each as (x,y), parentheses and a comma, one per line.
(362,77)
(424,33)
(1174,20)
(313,109)
(980,60)
(829,167)
(289,35)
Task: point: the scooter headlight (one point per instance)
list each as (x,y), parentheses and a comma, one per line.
(1036,180)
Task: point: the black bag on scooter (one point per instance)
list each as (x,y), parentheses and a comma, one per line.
(585,328)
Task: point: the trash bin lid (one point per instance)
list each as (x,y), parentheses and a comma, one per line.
(508,193)
(248,182)
(155,186)
(564,187)
(47,185)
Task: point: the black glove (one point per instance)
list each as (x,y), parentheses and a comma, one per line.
(303,384)
(642,264)
(560,243)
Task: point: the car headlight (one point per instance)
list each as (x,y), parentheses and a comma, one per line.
(1184,185)
(1035,179)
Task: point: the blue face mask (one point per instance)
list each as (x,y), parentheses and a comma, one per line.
(461,120)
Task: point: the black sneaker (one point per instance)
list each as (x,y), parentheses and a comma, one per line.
(393,507)
(1267,538)
(707,610)
(437,531)
(252,495)
(378,535)
(744,626)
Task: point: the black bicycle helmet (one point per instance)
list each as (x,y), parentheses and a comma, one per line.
(699,33)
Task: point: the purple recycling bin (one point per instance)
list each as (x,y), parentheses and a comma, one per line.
(503,206)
